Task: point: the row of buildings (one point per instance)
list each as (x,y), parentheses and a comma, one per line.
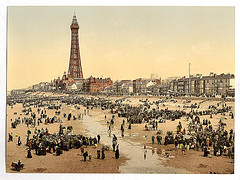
(89,85)
(213,84)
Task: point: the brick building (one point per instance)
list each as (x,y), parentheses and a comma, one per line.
(93,84)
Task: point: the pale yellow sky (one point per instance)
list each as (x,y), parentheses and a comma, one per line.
(119,42)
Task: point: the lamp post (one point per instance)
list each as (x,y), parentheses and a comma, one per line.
(189,83)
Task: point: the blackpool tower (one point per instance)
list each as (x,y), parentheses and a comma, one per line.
(75,66)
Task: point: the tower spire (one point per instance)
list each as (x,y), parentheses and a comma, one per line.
(74,21)
(75,67)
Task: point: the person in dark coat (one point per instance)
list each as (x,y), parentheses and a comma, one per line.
(98,154)
(205,154)
(98,137)
(130,126)
(114,137)
(85,155)
(117,153)
(114,145)
(69,116)
(103,154)
(29,154)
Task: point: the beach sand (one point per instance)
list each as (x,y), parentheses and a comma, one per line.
(72,161)
(69,162)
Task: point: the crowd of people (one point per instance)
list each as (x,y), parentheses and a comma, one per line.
(199,135)
(42,142)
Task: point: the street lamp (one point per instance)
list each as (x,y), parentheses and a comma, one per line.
(189,83)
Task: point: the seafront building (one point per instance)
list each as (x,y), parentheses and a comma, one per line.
(212,84)
(123,87)
(92,84)
(18,92)
(142,85)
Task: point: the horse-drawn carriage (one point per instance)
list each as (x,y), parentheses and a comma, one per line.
(41,151)
(17,166)
(169,138)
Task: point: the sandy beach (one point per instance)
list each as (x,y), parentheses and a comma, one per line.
(69,162)
(131,145)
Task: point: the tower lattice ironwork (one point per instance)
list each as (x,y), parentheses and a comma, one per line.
(75,66)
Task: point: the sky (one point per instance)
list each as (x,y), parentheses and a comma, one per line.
(119,42)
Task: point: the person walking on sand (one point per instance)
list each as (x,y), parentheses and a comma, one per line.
(117,153)
(98,154)
(19,141)
(10,138)
(85,155)
(130,125)
(29,154)
(153,139)
(103,154)
(159,138)
(114,137)
(122,129)
(114,144)
(145,153)
(98,137)
(109,130)
(122,132)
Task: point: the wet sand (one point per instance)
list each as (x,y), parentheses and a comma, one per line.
(69,162)
(156,161)
(193,161)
